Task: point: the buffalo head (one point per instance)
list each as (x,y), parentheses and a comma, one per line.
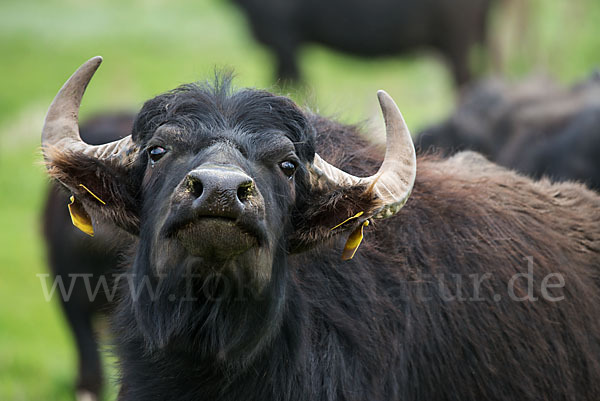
(220,181)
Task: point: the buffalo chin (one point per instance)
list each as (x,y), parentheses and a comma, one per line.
(215,239)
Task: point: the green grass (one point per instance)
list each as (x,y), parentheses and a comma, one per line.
(153,46)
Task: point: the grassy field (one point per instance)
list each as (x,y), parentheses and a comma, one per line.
(152,46)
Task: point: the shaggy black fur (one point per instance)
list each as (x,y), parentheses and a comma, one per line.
(401,321)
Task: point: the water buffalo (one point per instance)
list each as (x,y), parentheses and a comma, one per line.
(369,28)
(535,126)
(73,255)
(472,282)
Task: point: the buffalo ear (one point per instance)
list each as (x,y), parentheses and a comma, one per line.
(331,212)
(107,190)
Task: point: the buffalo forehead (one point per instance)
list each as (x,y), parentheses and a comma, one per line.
(266,144)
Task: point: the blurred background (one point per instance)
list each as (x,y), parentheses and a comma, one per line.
(155,45)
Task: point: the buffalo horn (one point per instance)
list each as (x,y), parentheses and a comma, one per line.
(394,181)
(61,127)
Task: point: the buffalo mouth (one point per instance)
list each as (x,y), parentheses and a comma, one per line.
(214,237)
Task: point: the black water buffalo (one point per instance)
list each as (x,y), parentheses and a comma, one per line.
(73,255)
(369,28)
(472,282)
(534,126)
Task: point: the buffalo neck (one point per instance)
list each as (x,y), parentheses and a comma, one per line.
(210,317)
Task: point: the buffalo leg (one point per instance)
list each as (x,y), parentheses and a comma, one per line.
(287,63)
(89,381)
(458,57)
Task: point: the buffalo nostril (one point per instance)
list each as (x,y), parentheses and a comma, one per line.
(194,186)
(245,191)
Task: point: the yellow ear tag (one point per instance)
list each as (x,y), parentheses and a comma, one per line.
(354,241)
(357,215)
(93,194)
(80,218)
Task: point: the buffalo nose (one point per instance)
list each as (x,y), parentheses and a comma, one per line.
(219,191)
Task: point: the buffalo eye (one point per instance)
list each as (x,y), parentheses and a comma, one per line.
(288,168)
(156,152)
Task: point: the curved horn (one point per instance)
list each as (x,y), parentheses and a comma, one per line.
(394,180)
(61,127)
